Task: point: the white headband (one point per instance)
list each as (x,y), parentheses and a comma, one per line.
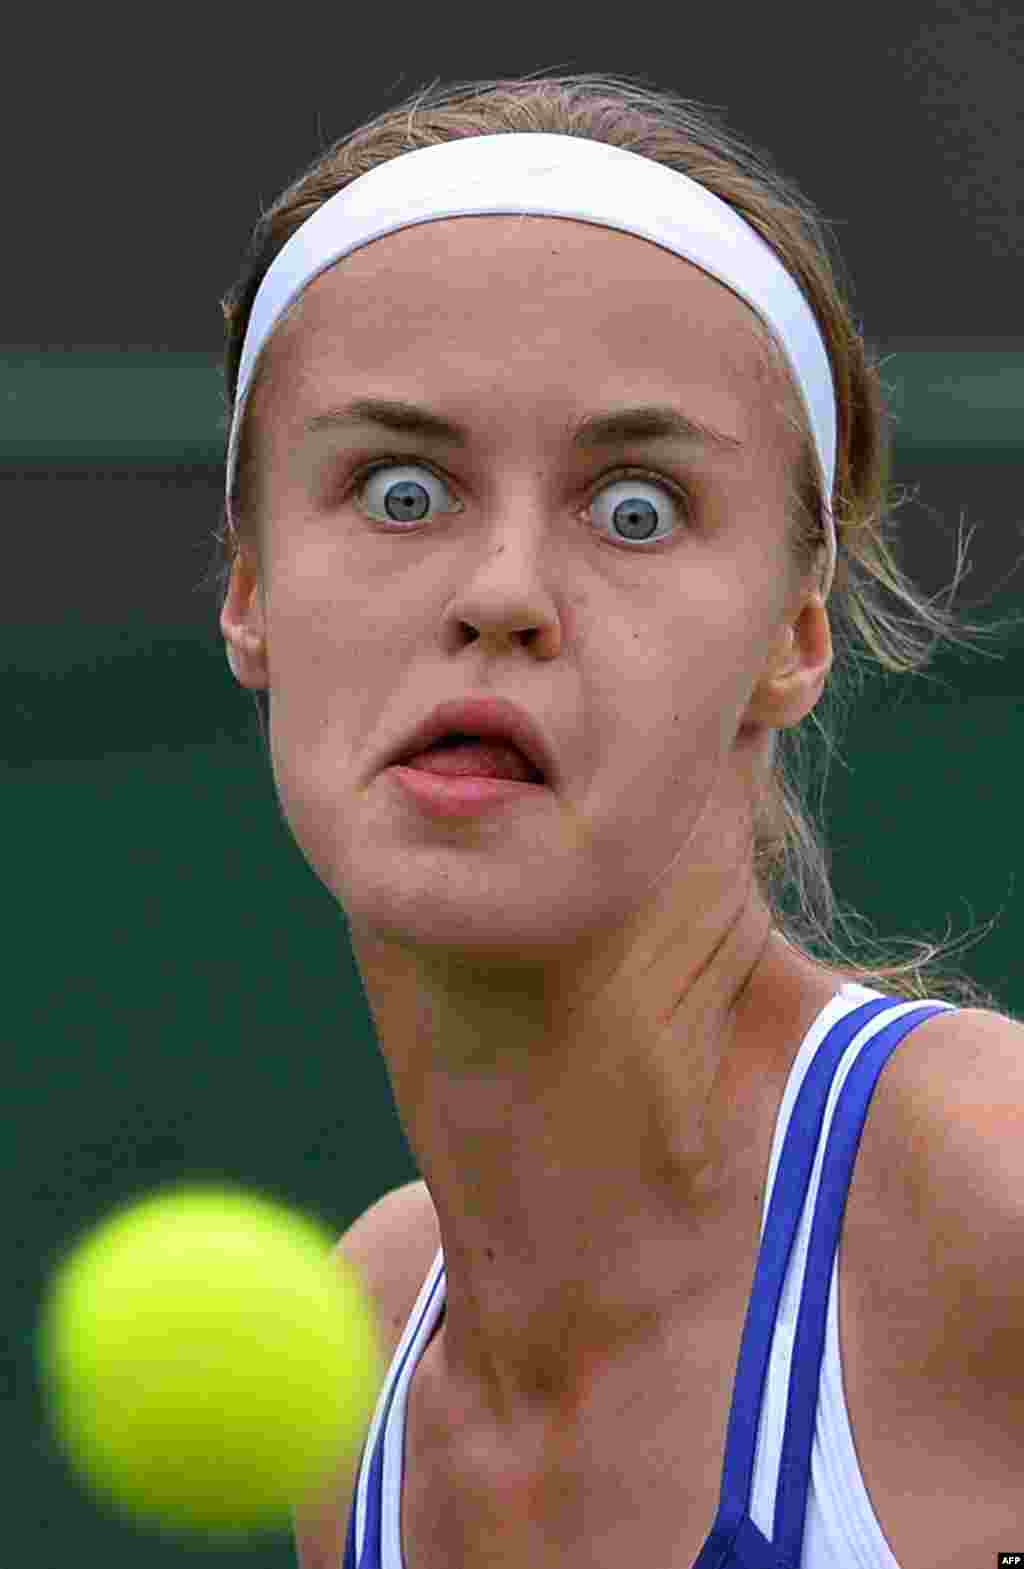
(557,176)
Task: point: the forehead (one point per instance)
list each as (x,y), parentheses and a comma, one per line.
(491,309)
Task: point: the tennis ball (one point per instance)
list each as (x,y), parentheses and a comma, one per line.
(207,1364)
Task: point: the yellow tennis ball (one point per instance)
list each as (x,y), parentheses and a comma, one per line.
(207,1363)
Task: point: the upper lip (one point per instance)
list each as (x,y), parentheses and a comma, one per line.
(493,717)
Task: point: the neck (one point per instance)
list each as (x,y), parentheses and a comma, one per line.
(586,1148)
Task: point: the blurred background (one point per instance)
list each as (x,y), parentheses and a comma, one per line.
(180,995)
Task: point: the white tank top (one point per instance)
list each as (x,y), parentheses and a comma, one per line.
(839,1525)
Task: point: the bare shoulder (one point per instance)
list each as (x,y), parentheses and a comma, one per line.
(940,1169)
(948,1127)
(932,1298)
(392,1246)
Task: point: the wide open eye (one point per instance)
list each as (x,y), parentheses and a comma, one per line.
(635,507)
(403,493)
(400,492)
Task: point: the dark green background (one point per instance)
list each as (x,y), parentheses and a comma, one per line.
(180,997)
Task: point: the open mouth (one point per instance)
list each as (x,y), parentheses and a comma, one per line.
(457,755)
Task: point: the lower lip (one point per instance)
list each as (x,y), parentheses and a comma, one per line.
(468,796)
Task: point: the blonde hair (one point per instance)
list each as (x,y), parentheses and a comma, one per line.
(878,618)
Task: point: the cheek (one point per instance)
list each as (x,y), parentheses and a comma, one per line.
(710,657)
(314,786)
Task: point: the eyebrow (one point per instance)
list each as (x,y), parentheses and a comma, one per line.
(649,422)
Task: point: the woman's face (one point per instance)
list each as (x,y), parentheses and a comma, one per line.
(637,640)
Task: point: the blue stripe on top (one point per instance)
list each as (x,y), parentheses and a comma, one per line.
(734,1539)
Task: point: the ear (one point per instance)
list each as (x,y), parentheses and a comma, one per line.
(797,669)
(242,623)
